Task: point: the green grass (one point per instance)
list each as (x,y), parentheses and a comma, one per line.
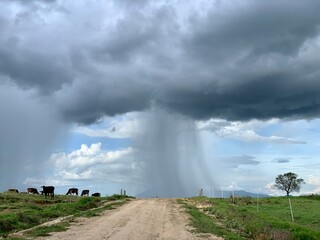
(46,230)
(204,224)
(22,211)
(16,238)
(272,220)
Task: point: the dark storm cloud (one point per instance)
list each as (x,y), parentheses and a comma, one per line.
(32,70)
(252,56)
(234,60)
(87,103)
(253,28)
(126,81)
(136,36)
(277,95)
(130,36)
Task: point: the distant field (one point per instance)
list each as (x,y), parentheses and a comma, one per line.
(246,219)
(23,211)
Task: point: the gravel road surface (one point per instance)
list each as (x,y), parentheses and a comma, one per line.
(143,219)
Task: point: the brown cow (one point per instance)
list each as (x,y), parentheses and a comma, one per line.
(32,190)
(13,190)
(85,192)
(72,191)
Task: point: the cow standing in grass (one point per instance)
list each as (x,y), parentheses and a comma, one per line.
(85,193)
(72,191)
(96,194)
(48,191)
(32,190)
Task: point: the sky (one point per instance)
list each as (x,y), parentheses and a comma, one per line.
(160,98)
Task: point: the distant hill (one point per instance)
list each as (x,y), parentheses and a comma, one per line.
(155,194)
(226,194)
(241,193)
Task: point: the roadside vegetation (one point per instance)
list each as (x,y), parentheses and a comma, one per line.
(250,218)
(23,211)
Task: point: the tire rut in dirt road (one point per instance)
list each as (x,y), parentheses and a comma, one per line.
(143,219)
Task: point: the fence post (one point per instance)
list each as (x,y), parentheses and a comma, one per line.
(291,209)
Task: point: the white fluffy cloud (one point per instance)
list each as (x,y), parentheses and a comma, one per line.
(245,131)
(86,156)
(37,182)
(93,163)
(272,190)
(314,181)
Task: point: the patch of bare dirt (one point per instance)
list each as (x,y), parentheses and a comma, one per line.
(143,219)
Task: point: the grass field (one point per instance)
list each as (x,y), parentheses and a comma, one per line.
(246,218)
(23,211)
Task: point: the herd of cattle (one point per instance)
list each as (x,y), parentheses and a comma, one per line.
(48,191)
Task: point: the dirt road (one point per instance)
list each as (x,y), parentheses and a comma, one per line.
(143,219)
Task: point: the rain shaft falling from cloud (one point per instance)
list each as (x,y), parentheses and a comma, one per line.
(28,130)
(171,155)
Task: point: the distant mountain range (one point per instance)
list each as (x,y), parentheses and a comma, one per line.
(241,193)
(226,194)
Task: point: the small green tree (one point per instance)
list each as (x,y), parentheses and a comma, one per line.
(288,182)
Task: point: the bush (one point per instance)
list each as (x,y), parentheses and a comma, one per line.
(312,196)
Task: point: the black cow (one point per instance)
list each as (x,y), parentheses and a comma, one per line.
(48,191)
(96,194)
(85,192)
(32,190)
(72,191)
